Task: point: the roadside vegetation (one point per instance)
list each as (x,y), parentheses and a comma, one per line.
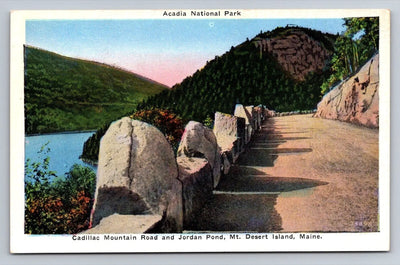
(57,204)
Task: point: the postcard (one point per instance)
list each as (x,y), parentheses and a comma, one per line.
(214,130)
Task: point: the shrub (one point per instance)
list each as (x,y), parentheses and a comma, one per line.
(209,122)
(170,124)
(55,205)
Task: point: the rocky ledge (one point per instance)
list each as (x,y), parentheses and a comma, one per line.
(356,99)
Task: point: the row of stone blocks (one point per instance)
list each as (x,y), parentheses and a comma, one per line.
(141,186)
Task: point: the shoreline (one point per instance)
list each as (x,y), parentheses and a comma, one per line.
(90,162)
(65,132)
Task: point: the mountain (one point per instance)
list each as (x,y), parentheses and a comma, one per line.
(66,94)
(299,51)
(282,69)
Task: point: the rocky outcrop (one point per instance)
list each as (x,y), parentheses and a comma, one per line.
(137,174)
(355,100)
(199,141)
(297,53)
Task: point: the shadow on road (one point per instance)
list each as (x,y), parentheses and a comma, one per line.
(262,157)
(245,199)
(273,151)
(259,183)
(236,212)
(258,158)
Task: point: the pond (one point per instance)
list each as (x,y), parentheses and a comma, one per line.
(65,149)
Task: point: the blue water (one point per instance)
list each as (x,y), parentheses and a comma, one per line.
(65,149)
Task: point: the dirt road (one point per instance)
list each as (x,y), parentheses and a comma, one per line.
(300,174)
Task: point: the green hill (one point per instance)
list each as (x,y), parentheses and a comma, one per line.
(67,94)
(282,69)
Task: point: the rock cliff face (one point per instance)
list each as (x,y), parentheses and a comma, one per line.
(297,53)
(355,100)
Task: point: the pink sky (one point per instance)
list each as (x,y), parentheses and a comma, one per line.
(168,68)
(164,68)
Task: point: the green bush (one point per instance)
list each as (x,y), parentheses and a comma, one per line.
(209,122)
(57,205)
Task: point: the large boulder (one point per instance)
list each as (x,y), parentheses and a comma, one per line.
(247,114)
(355,100)
(200,141)
(197,185)
(241,111)
(126,224)
(137,174)
(230,133)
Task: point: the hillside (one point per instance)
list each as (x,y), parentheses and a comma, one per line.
(282,69)
(66,94)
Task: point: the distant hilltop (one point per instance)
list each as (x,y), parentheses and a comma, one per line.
(119,68)
(69,94)
(296,51)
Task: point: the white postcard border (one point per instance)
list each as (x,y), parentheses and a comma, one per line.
(21,243)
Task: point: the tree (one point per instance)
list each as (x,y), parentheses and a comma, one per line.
(358,43)
(368,27)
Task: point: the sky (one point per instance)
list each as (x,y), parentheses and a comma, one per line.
(166,51)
